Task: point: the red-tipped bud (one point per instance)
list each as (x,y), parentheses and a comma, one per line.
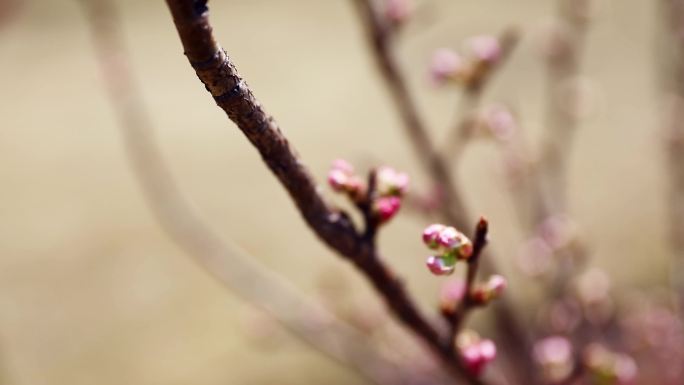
(475,353)
(386,207)
(491,290)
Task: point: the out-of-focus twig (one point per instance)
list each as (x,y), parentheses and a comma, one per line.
(460,133)
(225,261)
(453,211)
(671,60)
(561,121)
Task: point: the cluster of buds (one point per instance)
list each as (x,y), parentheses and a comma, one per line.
(609,368)
(450,245)
(555,358)
(483,53)
(492,289)
(476,353)
(390,187)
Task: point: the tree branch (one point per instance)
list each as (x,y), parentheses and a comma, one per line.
(229,90)
(453,212)
(226,262)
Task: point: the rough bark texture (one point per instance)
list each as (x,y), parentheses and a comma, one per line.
(220,77)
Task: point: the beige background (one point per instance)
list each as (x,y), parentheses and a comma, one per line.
(91,292)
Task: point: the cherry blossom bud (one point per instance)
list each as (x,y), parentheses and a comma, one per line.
(451,295)
(475,353)
(608,367)
(498,122)
(342,179)
(440,265)
(554,356)
(337,179)
(386,207)
(343,165)
(446,64)
(391,182)
(485,49)
(492,289)
(431,235)
(455,242)
(398,11)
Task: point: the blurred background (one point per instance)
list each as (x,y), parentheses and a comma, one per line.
(92,291)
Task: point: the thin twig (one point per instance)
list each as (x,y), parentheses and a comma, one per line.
(457,318)
(454,211)
(671,60)
(471,99)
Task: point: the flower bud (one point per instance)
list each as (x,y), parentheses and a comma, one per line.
(554,356)
(431,235)
(398,11)
(451,295)
(498,121)
(391,182)
(386,207)
(485,49)
(492,289)
(608,367)
(475,353)
(440,265)
(453,241)
(446,65)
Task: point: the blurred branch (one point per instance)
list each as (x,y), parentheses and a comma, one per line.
(561,120)
(671,57)
(381,41)
(226,262)
(460,133)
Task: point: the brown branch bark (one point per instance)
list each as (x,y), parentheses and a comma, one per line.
(226,262)
(229,90)
(514,337)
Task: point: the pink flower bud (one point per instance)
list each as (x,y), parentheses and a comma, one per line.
(476,355)
(619,367)
(485,48)
(391,182)
(499,122)
(451,295)
(439,266)
(398,11)
(343,165)
(454,241)
(492,289)
(554,356)
(446,64)
(386,207)
(431,235)
(497,284)
(337,179)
